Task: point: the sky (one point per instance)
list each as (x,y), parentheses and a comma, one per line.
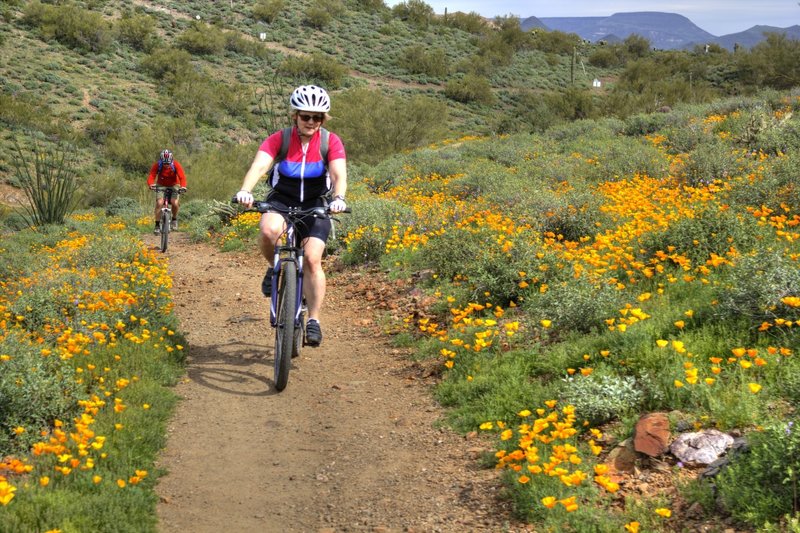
(716,17)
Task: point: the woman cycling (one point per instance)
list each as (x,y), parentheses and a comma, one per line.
(303,178)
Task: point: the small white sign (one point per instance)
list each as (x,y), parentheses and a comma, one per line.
(262,36)
(596,83)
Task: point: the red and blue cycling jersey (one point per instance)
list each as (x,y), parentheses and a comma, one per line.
(303,174)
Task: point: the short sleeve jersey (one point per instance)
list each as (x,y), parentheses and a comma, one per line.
(302,176)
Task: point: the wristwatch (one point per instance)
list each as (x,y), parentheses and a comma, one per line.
(339,197)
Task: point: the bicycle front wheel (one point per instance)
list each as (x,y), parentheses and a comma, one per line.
(165,226)
(284,330)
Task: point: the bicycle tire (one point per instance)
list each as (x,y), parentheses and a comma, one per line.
(165,227)
(284,330)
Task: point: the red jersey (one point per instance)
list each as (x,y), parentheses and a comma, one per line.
(168,177)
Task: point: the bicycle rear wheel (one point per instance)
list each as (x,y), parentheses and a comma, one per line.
(284,331)
(165,226)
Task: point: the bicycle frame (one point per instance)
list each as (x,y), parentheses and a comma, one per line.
(289,251)
(167,201)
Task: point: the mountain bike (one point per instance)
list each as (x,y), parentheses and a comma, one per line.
(166,216)
(287,310)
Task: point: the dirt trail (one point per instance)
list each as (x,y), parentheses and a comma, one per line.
(350,445)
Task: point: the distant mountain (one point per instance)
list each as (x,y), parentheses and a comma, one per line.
(666,31)
(663,30)
(755,35)
(533,22)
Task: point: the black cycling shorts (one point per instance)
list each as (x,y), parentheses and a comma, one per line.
(308,226)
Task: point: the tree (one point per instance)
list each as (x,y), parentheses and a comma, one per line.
(407,123)
(414,12)
(772,62)
(636,46)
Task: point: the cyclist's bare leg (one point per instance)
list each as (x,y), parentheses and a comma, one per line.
(271,225)
(157,211)
(175,203)
(313,276)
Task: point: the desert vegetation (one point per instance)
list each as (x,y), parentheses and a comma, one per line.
(589,255)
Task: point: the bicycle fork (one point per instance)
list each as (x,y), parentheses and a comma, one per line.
(278,262)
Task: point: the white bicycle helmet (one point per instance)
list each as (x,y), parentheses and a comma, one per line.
(310,98)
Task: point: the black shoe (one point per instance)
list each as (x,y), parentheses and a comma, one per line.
(313,333)
(266,283)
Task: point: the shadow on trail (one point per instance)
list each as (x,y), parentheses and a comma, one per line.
(233,368)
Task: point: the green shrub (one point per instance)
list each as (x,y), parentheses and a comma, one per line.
(605,57)
(754,286)
(217,172)
(202,39)
(471,22)
(202,99)
(470,88)
(122,206)
(601,397)
(414,122)
(34,391)
(710,231)
(776,186)
(555,42)
(415,12)
(480,65)
(25,110)
(317,17)
(572,104)
(709,162)
(167,63)
(771,62)
(74,27)
(239,44)
(102,125)
(320,13)
(416,59)
(760,485)
(572,216)
(470,256)
(317,68)
(367,229)
(370,6)
(138,30)
(644,124)
(268,10)
(110,182)
(574,304)
(529,113)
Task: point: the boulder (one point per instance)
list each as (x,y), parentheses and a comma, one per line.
(702,447)
(651,435)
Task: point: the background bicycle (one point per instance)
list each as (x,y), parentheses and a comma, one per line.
(166,222)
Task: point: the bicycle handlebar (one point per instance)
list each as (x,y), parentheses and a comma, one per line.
(263,207)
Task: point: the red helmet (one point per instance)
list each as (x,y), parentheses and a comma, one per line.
(166,157)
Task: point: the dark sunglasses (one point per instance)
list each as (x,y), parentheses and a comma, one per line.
(315,118)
